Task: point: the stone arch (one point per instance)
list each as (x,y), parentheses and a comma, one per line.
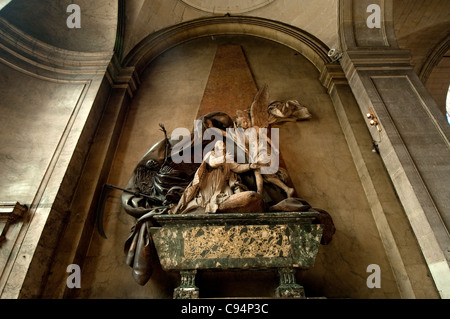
(434,73)
(155,44)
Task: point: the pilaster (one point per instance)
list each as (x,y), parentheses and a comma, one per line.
(414,142)
(77,92)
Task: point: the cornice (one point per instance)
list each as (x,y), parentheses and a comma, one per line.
(332,75)
(375,59)
(122,77)
(33,57)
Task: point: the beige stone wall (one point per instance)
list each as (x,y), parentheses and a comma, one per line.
(50,107)
(420,25)
(27,144)
(28,149)
(46,126)
(317,156)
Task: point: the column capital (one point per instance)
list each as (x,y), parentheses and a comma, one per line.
(332,74)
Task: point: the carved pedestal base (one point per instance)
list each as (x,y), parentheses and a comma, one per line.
(288,287)
(187,288)
(283,241)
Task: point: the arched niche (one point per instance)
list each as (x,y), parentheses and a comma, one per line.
(435,75)
(161,73)
(152,46)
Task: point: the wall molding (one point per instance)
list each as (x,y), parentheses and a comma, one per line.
(435,57)
(36,58)
(157,43)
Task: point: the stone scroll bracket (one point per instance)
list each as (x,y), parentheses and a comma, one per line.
(9,214)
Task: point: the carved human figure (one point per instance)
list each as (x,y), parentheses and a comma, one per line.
(243,121)
(216,187)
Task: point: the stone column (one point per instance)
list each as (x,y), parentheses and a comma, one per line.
(288,287)
(413,137)
(187,288)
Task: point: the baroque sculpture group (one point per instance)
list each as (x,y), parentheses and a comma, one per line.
(219,184)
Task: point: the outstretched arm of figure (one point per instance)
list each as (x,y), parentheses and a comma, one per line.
(242,168)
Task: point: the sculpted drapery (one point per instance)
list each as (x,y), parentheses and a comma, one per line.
(219,184)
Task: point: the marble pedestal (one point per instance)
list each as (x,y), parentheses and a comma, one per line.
(281,241)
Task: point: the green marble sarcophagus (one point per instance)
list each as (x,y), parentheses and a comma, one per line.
(285,241)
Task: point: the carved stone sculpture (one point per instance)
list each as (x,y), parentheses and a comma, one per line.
(259,116)
(217,185)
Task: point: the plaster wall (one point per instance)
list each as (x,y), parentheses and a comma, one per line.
(46,128)
(27,144)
